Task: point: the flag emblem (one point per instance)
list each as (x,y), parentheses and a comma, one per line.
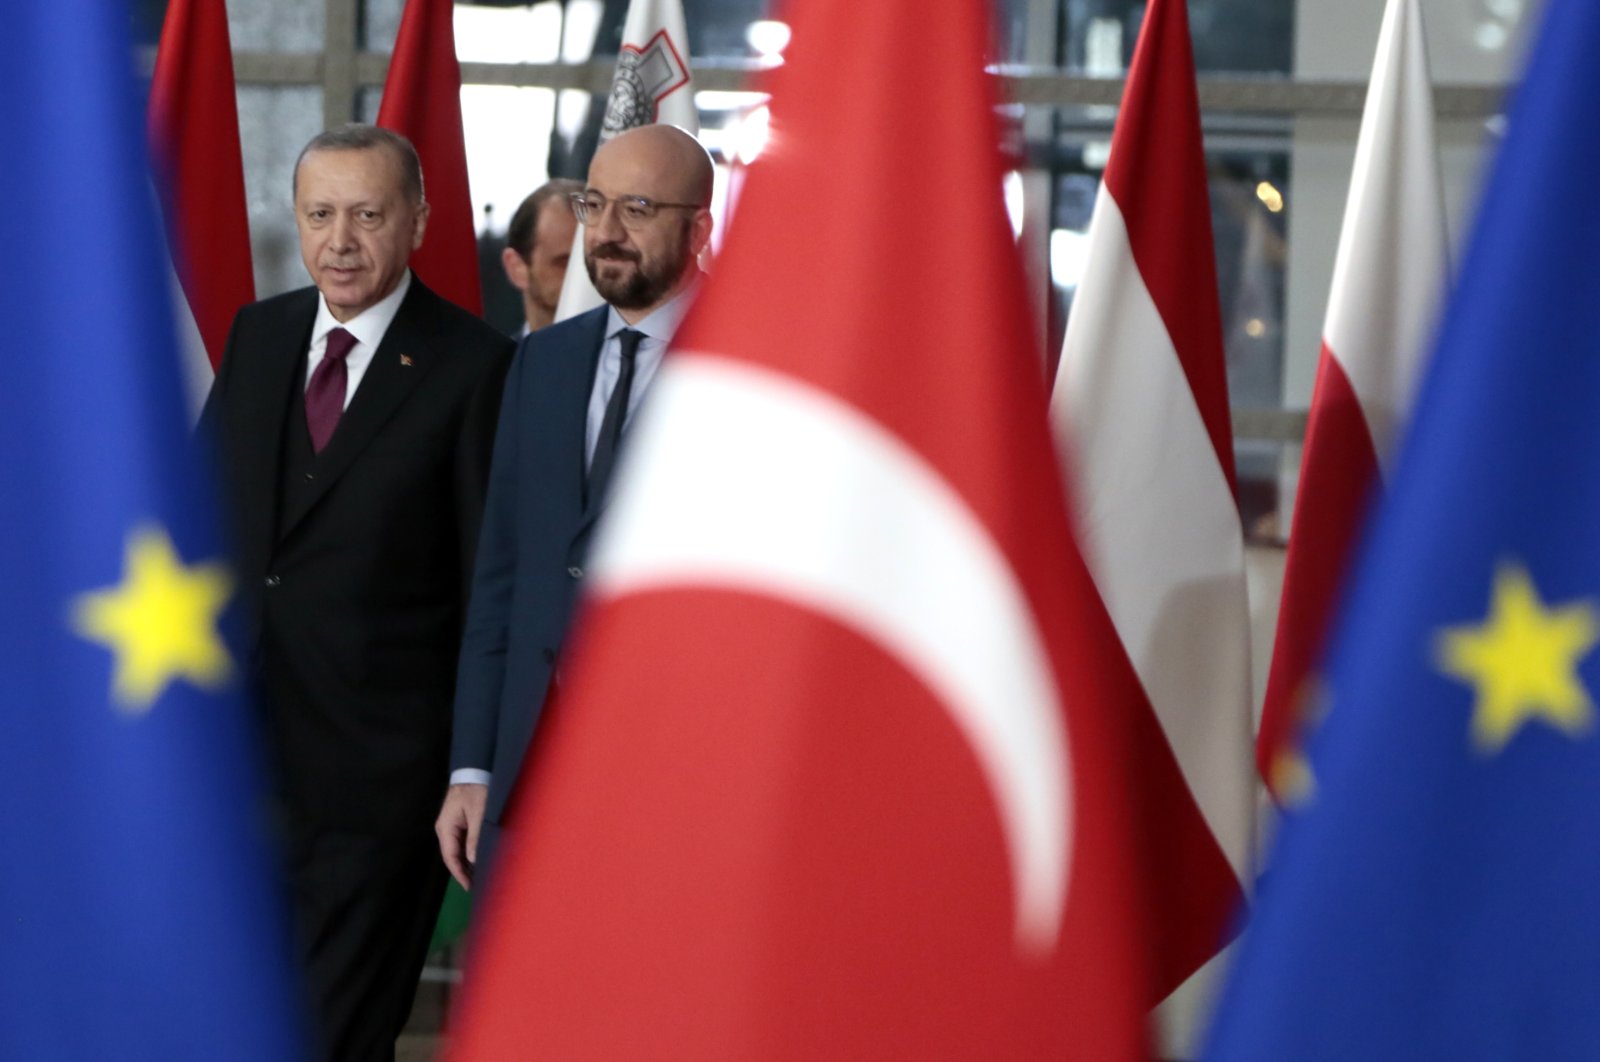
(645,76)
(160,622)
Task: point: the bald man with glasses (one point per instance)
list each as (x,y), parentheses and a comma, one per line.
(572,390)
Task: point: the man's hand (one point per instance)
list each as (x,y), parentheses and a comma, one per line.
(460,819)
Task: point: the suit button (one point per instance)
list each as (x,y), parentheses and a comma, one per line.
(311,475)
(575,571)
(273,580)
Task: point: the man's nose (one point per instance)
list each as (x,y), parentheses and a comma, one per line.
(342,235)
(607,228)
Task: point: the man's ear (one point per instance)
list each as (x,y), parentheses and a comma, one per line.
(516,269)
(419,225)
(700,232)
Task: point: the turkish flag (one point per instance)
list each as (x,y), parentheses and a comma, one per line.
(1388,278)
(839,769)
(194,147)
(422,101)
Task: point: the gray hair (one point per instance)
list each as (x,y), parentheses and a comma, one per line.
(356,136)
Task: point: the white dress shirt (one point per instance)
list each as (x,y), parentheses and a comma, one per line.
(368,327)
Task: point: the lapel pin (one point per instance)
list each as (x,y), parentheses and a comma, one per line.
(405,359)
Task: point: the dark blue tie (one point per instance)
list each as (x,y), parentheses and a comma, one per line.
(605,449)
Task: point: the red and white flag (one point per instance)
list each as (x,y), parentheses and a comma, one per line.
(422,101)
(1388,278)
(194,148)
(1141,412)
(838,770)
(652,84)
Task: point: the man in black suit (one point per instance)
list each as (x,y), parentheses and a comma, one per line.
(572,389)
(355,421)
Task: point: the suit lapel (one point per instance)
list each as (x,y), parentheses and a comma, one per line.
(402,360)
(595,342)
(263,413)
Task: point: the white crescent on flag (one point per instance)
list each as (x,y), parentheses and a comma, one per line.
(931,587)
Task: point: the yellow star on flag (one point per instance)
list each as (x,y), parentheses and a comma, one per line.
(1523,661)
(160,622)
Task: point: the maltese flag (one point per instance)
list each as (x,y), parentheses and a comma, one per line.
(1141,412)
(838,768)
(652,84)
(1388,279)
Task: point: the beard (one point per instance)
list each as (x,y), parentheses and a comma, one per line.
(646,284)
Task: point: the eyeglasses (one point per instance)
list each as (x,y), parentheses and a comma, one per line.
(632,210)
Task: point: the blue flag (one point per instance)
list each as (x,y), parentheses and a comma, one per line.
(138,913)
(1439,896)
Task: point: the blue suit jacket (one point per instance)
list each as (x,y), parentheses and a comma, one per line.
(530,558)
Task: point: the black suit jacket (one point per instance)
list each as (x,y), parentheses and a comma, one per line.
(536,533)
(355,562)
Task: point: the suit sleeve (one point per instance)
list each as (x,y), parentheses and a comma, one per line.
(474,447)
(480,675)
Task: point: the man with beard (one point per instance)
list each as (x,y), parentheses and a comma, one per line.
(571,391)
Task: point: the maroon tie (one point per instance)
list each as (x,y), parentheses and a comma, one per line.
(325,394)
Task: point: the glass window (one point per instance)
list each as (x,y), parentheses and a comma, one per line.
(281,26)
(274,124)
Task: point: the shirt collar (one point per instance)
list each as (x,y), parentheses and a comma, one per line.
(370,324)
(663,321)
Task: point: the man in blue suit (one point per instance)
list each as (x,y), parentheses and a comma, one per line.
(572,390)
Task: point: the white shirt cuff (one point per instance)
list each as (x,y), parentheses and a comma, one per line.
(469,776)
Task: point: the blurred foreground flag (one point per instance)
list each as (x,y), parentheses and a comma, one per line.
(139,921)
(838,766)
(1437,898)
(1387,281)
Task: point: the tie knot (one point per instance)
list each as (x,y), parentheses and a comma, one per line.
(339,345)
(630,341)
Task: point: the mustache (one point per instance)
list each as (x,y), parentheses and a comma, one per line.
(614,250)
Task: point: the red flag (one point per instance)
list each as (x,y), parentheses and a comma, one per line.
(422,101)
(838,767)
(1142,406)
(194,145)
(1387,279)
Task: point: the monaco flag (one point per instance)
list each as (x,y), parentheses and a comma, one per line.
(1388,278)
(194,148)
(652,84)
(1141,411)
(838,770)
(422,101)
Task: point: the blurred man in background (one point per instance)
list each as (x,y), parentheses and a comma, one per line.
(538,243)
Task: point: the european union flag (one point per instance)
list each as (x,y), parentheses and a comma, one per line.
(138,918)
(1439,897)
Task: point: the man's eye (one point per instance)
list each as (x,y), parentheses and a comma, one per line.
(636,210)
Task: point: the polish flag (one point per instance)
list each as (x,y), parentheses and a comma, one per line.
(839,769)
(652,83)
(1141,412)
(1388,279)
(193,129)
(422,101)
